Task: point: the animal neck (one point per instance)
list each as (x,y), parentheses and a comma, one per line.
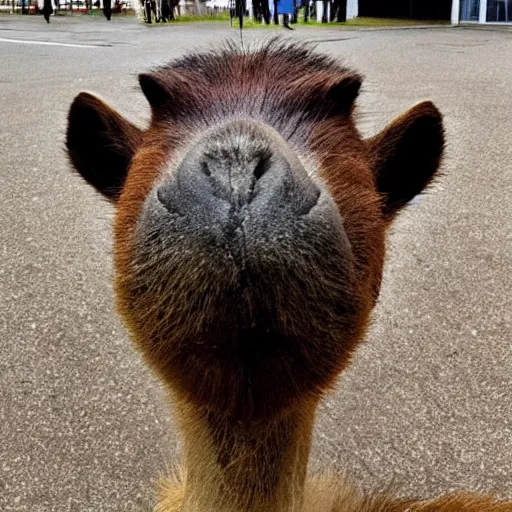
(245,466)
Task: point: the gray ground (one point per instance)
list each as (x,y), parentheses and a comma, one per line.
(427,405)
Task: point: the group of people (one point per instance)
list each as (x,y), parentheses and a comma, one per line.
(48,9)
(162,10)
(265,10)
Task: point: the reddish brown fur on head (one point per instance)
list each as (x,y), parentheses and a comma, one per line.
(251,220)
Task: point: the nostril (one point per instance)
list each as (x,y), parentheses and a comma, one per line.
(161,195)
(205,169)
(261,167)
(167,197)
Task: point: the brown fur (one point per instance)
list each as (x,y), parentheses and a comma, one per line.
(247,345)
(338,495)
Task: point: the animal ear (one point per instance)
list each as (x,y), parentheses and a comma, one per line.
(406,155)
(155,89)
(170,94)
(330,96)
(339,98)
(100,144)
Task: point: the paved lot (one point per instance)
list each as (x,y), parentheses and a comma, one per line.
(427,405)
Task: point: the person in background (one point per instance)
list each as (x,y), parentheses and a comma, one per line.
(261,11)
(339,10)
(47,10)
(166,11)
(107,9)
(284,7)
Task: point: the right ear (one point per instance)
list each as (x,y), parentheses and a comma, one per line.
(100,144)
(406,156)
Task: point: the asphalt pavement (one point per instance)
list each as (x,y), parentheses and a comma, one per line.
(426,407)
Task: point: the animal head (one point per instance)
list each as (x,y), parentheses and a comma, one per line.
(251,219)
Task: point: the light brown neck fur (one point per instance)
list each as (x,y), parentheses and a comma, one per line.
(254,467)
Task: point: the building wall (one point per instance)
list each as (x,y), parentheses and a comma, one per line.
(455,12)
(414,9)
(352,9)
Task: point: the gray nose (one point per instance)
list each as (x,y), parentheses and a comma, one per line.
(238,167)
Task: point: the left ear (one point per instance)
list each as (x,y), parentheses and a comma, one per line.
(406,155)
(100,144)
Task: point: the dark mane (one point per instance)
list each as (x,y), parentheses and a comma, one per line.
(298,57)
(278,82)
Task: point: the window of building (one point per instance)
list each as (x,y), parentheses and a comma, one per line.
(470,10)
(499,10)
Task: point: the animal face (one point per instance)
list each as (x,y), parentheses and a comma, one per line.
(251,219)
